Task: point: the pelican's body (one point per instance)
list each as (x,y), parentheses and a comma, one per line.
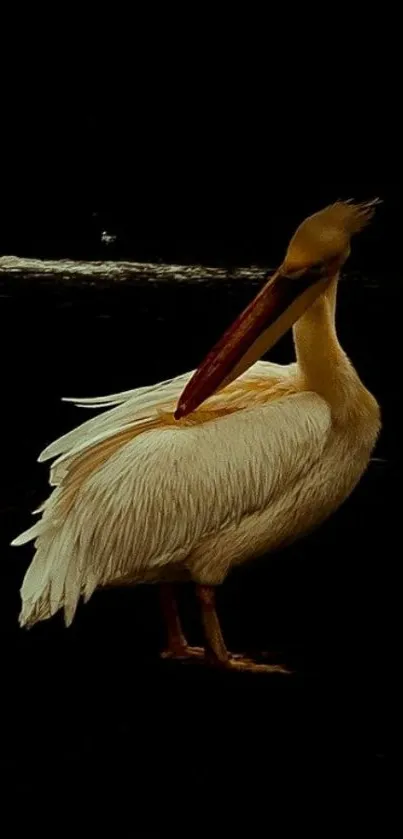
(139,497)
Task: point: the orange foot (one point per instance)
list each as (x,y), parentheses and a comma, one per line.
(181,653)
(247,665)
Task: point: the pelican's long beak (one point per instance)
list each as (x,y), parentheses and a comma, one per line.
(279,304)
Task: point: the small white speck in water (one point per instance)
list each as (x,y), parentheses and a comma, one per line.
(107,238)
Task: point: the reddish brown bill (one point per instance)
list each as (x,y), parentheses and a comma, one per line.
(275,308)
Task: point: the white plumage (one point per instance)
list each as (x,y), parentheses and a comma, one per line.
(196,498)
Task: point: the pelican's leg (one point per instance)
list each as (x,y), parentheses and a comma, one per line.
(178,646)
(216,650)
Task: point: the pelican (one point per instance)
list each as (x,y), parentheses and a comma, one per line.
(184,480)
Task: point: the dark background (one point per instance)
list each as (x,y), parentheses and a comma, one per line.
(95,701)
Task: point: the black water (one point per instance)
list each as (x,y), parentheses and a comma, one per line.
(96,700)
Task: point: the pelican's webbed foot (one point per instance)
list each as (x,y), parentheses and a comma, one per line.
(216,652)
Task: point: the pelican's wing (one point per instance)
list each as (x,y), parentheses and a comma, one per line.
(157,497)
(133,407)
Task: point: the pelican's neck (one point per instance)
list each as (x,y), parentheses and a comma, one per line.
(322,362)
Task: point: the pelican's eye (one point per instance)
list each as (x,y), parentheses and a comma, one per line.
(317,268)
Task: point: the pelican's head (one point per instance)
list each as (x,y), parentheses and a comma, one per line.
(315,254)
(322,241)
